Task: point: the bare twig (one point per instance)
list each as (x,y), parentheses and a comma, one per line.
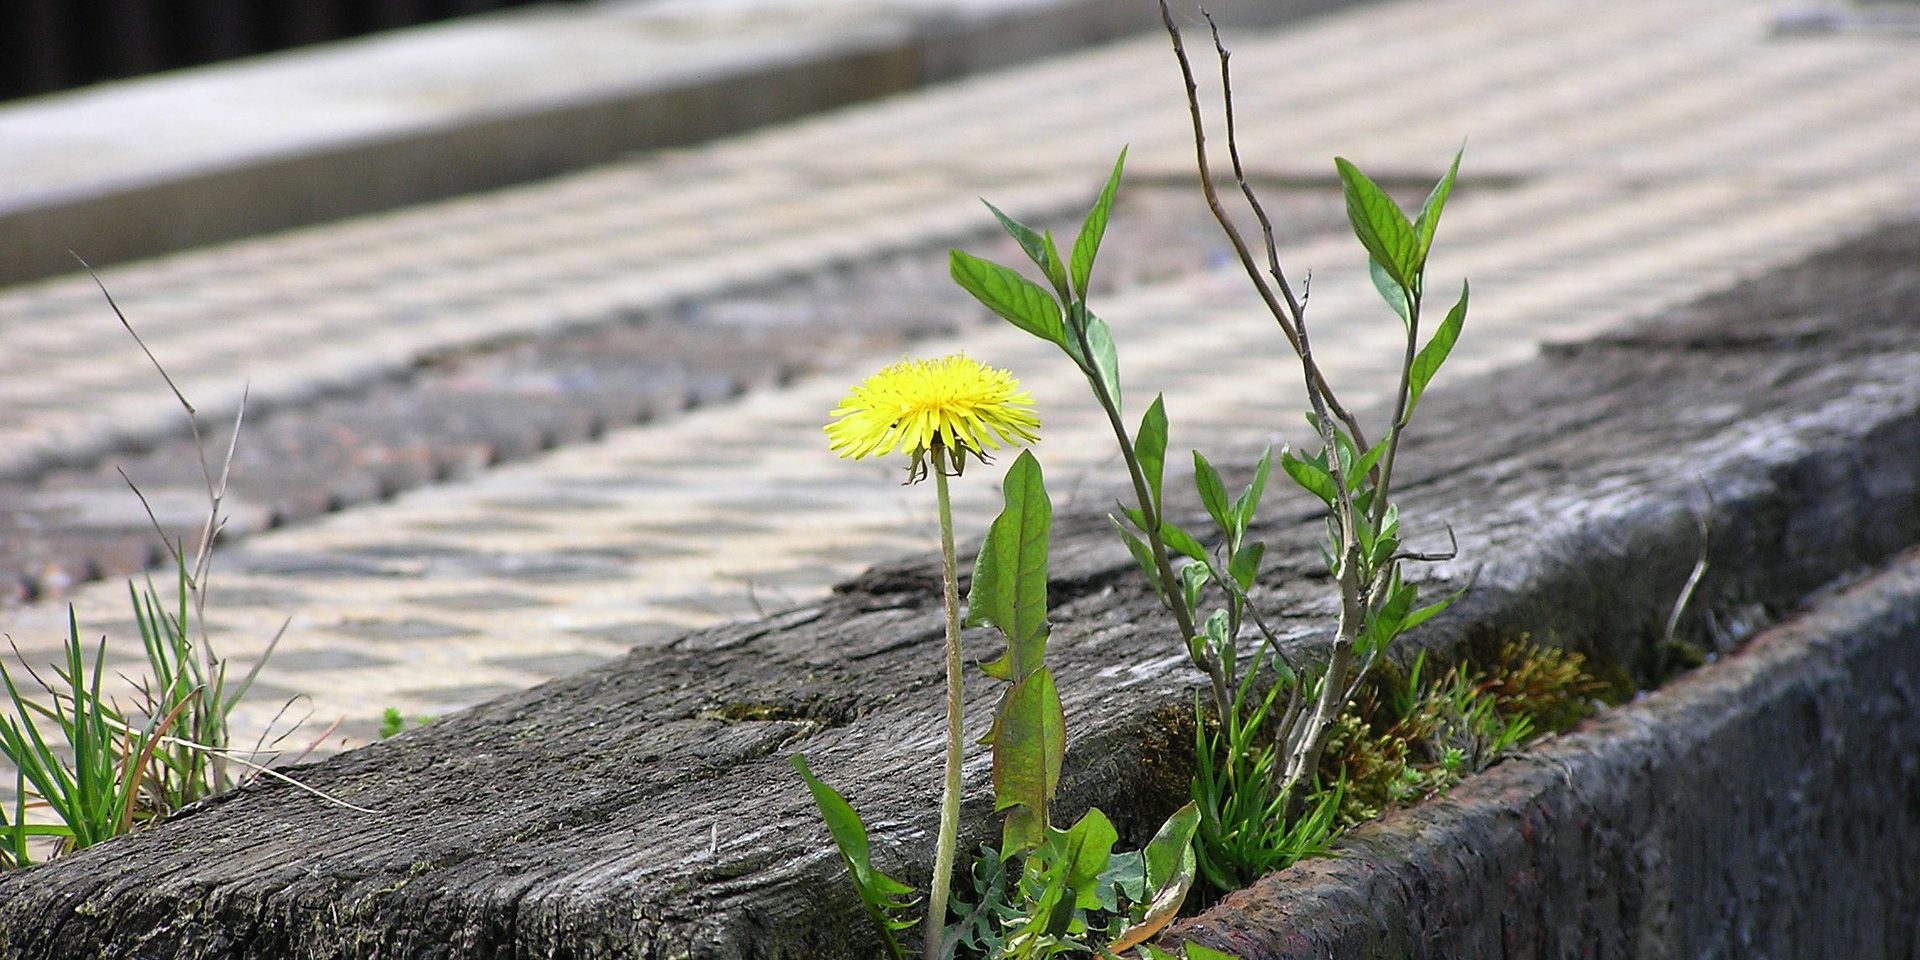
(1286,310)
(1705,522)
(1452,551)
(207,723)
(238,756)
(266,771)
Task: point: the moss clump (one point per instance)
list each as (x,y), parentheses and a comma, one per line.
(1413,733)
(1549,686)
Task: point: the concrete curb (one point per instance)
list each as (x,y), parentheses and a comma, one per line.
(166,163)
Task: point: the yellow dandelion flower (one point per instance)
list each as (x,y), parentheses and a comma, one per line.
(953,406)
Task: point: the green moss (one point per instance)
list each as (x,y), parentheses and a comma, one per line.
(1413,733)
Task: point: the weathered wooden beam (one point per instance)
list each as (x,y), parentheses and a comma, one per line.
(647,810)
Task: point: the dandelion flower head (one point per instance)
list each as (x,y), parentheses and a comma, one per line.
(951,407)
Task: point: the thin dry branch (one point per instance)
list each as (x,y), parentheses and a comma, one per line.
(1289,312)
(1705,522)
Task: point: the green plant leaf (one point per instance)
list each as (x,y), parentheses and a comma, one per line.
(1311,477)
(1104,362)
(1087,245)
(1245,565)
(1193,578)
(1087,847)
(1213,493)
(1009,589)
(1124,879)
(1217,635)
(1248,503)
(1365,464)
(1181,541)
(1431,356)
(1400,597)
(1150,446)
(1195,951)
(1029,741)
(1380,225)
(883,896)
(1390,289)
(1142,555)
(1039,248)
(1170,870)
(1016,299)
(1429,219)
(1172,846)
(1428,612)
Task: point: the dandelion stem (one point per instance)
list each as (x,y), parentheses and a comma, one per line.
(936,920)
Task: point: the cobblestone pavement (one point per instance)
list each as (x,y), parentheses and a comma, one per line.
(1622,159)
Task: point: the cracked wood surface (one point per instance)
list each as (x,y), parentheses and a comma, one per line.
(646,809)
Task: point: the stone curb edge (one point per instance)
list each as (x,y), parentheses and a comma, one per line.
(166,208)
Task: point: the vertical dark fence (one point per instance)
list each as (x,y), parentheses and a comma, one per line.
(48,45)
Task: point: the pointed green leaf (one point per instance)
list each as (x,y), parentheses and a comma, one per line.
(1310,476)
(849,834)
(1016,299)
(1170,870)
(1039,248)
(1104,362)
(1087,245)
(1030,739)
(1181,541)
(1400,597)
(1009,590)
(884,897)
(1245,565)
(1429,219)
(1248,503)
(1172,844)
(1379,224)
(1367,461)
(1150,446)
(1431,610)
(1088,846)
(1431,356)
(1383,550)
(1142,555)
(1213,493)
(1390,289)
(1348,455)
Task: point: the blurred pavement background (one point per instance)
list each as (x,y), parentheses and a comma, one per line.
(499,433)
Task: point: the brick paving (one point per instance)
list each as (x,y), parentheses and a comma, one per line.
(1622,160)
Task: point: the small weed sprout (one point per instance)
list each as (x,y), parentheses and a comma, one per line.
(393,722)
(175,747)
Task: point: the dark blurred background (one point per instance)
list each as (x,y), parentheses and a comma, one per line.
(48,45)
